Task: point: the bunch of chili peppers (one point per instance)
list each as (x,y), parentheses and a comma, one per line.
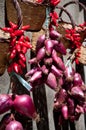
(19,43)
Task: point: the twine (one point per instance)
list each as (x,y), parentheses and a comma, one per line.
(19,12)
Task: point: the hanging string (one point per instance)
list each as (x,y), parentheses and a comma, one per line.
(19,12)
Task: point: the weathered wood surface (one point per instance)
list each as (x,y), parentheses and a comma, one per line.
(43,97)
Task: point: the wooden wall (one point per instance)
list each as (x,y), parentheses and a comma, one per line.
(43,96)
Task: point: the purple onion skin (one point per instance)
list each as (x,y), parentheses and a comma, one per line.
(60,81)
(77,93)
(40,42)
(7,118)
(54,34)
(60,48)
(77,79)
(32,61)
(79,109)
(44,70)
(24,105)
(64,111)
(14,125)
(48,46)
(37,75)
(57,72)
(58,60)
(55,42)
(60,98)
(48,61)
(5,103)
(30,72)
(41,54)
(71,106)
(51,81)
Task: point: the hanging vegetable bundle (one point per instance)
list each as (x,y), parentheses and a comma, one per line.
(47,65)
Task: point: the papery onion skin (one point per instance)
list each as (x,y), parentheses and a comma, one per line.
(37,75)
(58,60)
(57,72)
(77,79)
(71,106)
(51,81)
(60,48)
(5,103)
(48,46)
(24,105)
(77,93)
(7,118)
(14,125)
(40,54)
(54,35)
(40,42)
(64,111)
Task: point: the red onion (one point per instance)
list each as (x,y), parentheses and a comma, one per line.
(54,34)
(37,75)
(60,98)
(7,118)
(71,106)
(79,109)
(40,54)
(77,93)
(64,111)
(55,42)
(32,61)
(58,60)
(30,72)
(14,125)
(5,103)
(48,46)
(60,48)
(57,72)
(77,79)
(44,70)
(40,42)
(24,105)
(48,61)
(51,81)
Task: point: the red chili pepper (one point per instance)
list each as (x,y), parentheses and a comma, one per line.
(54,2)
(24,44)
(28,44)
(27,38)
(13,54)
(12,43)
(13,26)
(22,63)
(16,67)
(24,49)
(18,47)
(22,57)
(12,35)
(7,29)
(21,38)
(19,32)
(26,27)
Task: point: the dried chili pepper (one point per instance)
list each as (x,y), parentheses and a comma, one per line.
(26,27)
(13,26)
